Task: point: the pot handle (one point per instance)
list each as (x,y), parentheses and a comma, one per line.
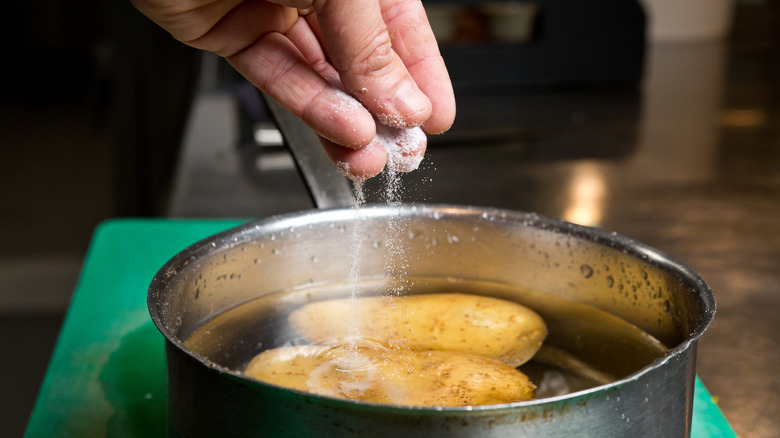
(327,187)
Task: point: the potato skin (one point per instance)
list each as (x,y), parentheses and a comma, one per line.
(388,376)
(474,324)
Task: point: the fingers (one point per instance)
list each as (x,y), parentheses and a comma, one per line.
(400,149)
(360,48)
(243,25)
(357,164)
(303,36)
(277,67)
(383,52)
(415,44)
(186,20)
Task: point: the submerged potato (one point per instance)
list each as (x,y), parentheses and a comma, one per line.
(473,324)
(398,377)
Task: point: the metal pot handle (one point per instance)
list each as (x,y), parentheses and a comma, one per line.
(327,187)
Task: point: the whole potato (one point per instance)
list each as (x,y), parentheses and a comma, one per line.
(389,376)
(474,324)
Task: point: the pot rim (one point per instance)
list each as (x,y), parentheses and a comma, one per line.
(240,234)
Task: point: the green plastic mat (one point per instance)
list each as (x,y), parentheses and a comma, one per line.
(106,377)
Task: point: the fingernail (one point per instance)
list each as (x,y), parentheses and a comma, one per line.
(409,100)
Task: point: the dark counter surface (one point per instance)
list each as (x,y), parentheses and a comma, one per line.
(689,165)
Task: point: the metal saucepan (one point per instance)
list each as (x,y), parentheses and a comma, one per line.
(534,260)
(611,305)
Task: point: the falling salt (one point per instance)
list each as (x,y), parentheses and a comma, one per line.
(405,147)
(358,238)
(396,229)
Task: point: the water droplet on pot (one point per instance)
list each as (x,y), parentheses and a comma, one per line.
(586,271)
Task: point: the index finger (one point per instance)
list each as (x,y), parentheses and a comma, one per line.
(360,48)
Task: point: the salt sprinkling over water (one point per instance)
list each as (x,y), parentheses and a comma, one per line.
(358,239)
(405,147)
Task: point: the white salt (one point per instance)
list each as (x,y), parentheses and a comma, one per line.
(405,146)
(345,102)
(357,242)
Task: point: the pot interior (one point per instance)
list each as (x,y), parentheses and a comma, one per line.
(612,306)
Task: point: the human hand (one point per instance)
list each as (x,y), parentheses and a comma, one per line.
(306,53)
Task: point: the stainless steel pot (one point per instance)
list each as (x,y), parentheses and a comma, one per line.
(589,266)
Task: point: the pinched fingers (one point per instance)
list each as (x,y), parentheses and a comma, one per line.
(357,164)
(276,66)
(385,66)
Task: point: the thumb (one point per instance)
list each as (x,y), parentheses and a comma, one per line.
(361,50)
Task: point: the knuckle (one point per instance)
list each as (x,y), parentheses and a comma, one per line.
(376,59)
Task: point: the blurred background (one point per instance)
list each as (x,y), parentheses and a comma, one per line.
(80,109)
(657,119)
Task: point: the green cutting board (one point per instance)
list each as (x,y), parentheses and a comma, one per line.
(106,377)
